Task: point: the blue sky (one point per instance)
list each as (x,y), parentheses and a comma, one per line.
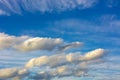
(57,24)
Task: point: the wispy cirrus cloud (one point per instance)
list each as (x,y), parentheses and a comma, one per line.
(3,12)
(16,6)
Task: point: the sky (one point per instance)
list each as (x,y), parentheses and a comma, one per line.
(59,39)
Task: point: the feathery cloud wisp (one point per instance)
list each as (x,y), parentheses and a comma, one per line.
(16,6)
(12,72)
(3,12)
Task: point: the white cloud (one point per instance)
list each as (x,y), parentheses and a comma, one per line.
(12,72)
(3,12)
(39,44)
(62,59)
(37,62)
(60,65)
(62,71)
(94,54)
(77,70)
(86,3)
(7,41)
(56,65)
(27,43)
(44,5)
(7,73)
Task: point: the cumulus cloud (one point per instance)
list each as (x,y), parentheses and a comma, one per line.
(60,65)
(47,67)
(94,54)
(63,71)
(7,41)
(77,70)
(16,6)
(62,59)
(12,72)
(7,73)
(39,44)
(27,43)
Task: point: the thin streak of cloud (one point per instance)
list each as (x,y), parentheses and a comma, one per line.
(3,13)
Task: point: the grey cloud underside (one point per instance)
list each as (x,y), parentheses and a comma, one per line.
(18,6)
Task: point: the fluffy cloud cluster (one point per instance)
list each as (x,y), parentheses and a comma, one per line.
(62,59)
(27,43)
(16,6)
(39,44)
(60,65)
(7,41)
(13,72)
(48,67)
